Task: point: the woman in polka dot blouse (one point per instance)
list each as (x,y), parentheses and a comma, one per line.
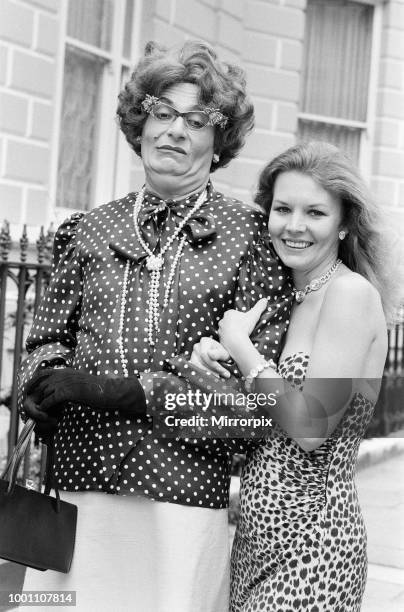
(135,282)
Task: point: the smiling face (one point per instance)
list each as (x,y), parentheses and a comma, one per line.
(304,223)
(177,159)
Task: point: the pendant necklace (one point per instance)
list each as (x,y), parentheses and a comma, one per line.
(154,264)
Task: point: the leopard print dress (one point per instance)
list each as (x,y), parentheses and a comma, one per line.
(300,544)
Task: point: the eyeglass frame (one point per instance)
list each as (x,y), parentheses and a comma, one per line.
(215,116)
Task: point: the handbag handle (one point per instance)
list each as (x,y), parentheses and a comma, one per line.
(13,464)
(14,461)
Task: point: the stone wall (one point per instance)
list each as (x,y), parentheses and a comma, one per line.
(28,53)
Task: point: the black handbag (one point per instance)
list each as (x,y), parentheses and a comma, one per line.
(36,529)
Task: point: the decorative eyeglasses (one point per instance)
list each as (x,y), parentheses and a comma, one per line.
(194,120)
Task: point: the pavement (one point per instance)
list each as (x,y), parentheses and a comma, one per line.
(380,483)
(381,494)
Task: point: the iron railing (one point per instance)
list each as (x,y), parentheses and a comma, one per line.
(388,416)
(22,284)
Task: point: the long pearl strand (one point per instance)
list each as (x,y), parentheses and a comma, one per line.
(154,264)
(124,361)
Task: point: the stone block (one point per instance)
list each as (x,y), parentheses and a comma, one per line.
(391,74)
(200,21)
(383,190)
(388,163)
(286,118)
(392,44)
(3,64)
(13,113)
(401,195)
(387,133)
(264,146)
(10,203)
(273,84)
(278,21)
(42,121)
(27,162)
(163,9)
(228,55)
(235,7)
(33,74)
(390,104)
(291,55)
(395,14)
(301,4)
(167,34)
(259,48)
(245,173)
(16,23)
(401,136)
(263,113)
(230,31)
(49,5)
(48,35)
(36,209)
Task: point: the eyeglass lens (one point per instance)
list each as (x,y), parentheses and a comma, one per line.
(165,113)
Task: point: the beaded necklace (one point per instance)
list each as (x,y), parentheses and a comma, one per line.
(154,263)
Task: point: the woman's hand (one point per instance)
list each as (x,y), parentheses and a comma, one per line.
(236,327)
(207,354)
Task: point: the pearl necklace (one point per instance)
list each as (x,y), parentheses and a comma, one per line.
(154,264)
(316,283)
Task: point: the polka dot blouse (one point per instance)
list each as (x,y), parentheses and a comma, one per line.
(227,262)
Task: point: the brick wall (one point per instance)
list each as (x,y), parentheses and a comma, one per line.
(388,154)
(28,49)
(266,39)
(271,53)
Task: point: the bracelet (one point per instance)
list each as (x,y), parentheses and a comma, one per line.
(256,371)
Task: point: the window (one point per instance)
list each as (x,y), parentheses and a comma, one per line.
(98,51)
(337,72)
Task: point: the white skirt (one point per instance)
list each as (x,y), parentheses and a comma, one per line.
(133,554)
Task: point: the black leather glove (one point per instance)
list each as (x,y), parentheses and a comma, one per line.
(50,390)
(46,424)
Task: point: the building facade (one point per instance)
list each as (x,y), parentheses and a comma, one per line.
(331,69)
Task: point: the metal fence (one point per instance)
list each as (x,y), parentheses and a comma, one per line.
(388,416)
(22,284)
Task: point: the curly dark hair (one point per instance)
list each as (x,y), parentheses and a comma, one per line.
(221,85)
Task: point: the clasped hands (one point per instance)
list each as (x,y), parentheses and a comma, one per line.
(235,329)
(51,389)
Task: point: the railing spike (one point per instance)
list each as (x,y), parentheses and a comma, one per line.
(50,235)
(24,244)
(5,241)
(41,246)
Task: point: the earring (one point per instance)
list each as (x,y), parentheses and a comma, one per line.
(216,157)
(341,235)
(138,139)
